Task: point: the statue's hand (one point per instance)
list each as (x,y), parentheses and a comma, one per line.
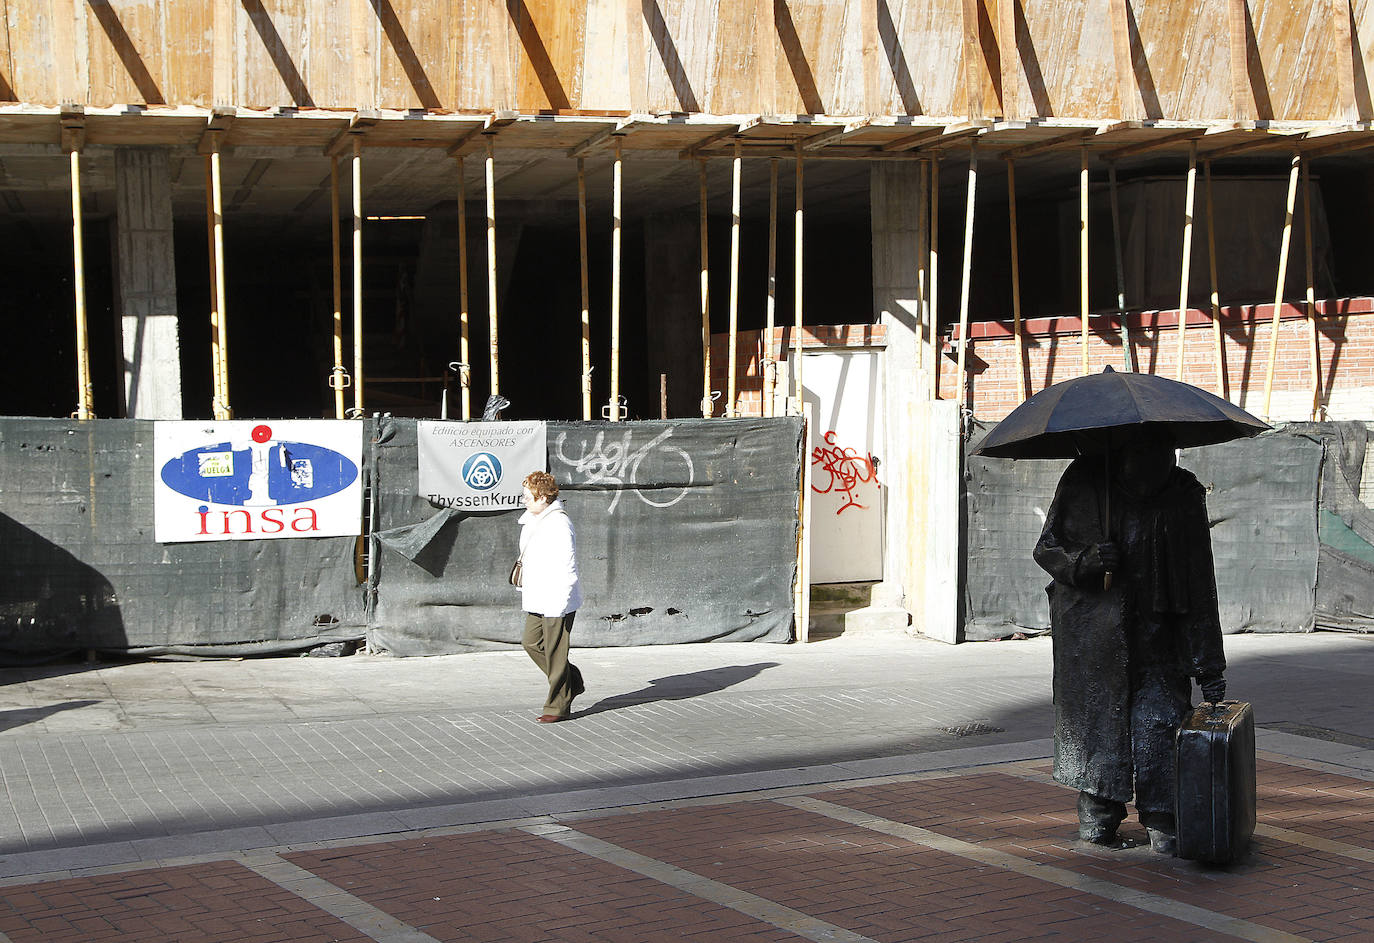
(1213,689)
(1102,558)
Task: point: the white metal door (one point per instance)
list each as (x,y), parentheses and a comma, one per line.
(843,391)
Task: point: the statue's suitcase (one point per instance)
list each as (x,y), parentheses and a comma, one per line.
(1214,789)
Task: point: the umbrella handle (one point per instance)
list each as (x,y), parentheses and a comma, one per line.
(1106,581)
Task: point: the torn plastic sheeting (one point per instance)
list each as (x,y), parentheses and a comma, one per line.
(686,532)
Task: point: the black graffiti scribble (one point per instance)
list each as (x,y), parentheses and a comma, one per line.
(847,469)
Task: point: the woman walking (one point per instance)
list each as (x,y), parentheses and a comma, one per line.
(550,592)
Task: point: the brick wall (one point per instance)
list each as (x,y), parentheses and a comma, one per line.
(1053,352)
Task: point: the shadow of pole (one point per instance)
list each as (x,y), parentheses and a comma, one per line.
(124,48)
(276,51)
(538,54)
(405,52)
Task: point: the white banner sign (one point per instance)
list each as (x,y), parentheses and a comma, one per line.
(250,480)
(478,466)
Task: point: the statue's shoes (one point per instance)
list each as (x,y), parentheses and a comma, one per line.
(1164,843)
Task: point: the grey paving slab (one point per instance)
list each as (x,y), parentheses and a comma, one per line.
(162,758)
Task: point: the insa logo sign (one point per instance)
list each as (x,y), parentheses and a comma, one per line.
(258,480)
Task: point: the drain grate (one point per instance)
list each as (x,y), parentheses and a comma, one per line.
(972,730)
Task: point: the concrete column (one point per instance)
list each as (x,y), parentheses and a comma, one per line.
(146,285)
(920,474)
(672,288)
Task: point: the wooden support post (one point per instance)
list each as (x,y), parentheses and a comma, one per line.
(925,331)
(768,362)
(961,372)
(215,373)
(1218,347)
(1186,269)
(798,230)
(615,285)
(1314,350)
(1283,277)
(1017,327)
(1126,350)
(706,404)
(358,278)
(338,374)
(731,407)
(85,394)
(935,278)
(464,355)
(1083,250)
(586,291)
(220,350)
(801,589)
(491,266)
(663,396)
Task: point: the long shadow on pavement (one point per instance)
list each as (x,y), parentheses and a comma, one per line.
(680,687)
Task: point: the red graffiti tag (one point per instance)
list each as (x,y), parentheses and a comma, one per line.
(847,470)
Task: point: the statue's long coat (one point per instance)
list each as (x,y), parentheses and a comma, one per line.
(1123,657)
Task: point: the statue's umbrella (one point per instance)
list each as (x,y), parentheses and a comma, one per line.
(1091,415)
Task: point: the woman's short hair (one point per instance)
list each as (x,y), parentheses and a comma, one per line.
(541,485)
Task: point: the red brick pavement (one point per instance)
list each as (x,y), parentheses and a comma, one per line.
(219,902)
(1283,886)
(1317,803)
(495,887)
(503,886)
(882,887)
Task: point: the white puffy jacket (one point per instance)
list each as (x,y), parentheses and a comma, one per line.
(549,570)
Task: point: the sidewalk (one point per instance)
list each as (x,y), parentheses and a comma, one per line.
(886,790)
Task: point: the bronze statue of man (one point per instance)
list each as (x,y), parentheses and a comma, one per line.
(1126,646)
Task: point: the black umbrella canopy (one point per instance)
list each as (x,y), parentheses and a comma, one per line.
(1093,414)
